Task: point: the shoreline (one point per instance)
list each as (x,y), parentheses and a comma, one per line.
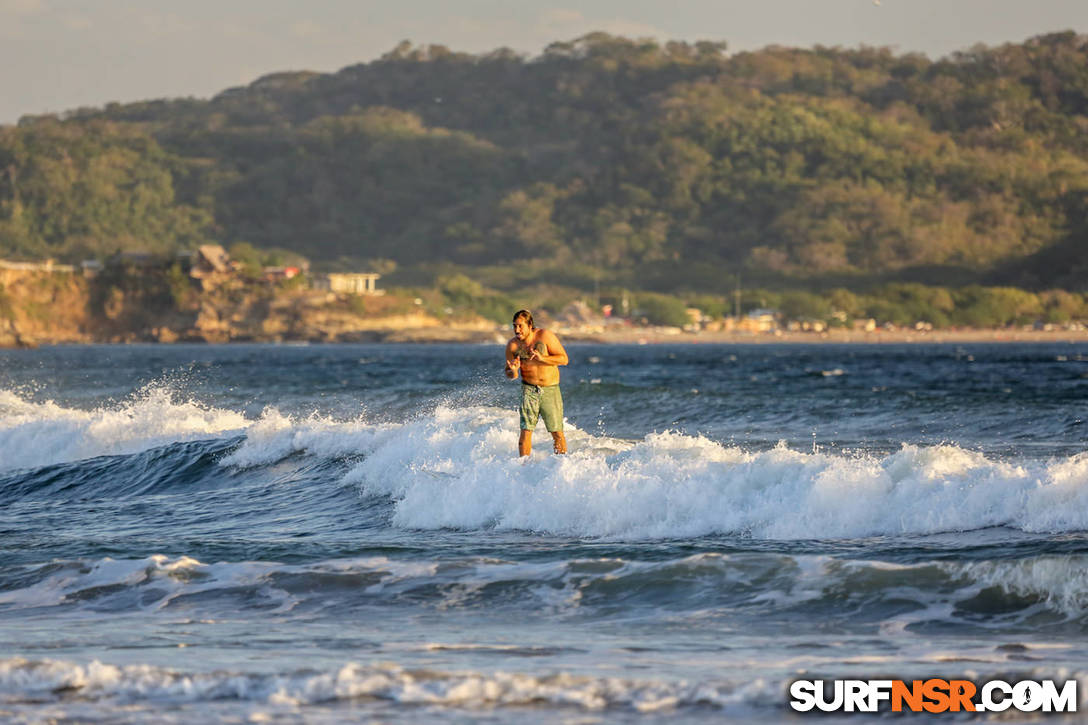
(837,337)
(627,336)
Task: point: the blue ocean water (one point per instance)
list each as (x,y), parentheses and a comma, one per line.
(320,533)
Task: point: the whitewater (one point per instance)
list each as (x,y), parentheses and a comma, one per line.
(317,533)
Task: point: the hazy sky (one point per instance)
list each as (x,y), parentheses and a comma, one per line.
(61,54)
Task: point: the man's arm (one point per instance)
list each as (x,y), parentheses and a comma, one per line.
(513,362)
(556,354)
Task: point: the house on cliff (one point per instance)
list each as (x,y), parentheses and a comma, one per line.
(356,283)
(210,266)
(274,275)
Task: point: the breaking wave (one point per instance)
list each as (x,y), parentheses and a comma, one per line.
(455,468)
(41,680)
(1047,590)
(33,434)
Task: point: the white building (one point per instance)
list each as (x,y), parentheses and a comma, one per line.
(350,283)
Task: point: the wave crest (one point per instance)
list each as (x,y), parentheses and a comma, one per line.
(34,435)
(456,468)
(783,588)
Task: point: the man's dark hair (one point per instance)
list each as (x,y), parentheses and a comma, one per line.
(524,315)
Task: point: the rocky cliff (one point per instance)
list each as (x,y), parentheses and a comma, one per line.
(38,307)
(42,306)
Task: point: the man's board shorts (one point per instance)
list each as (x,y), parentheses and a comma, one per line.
(541,400)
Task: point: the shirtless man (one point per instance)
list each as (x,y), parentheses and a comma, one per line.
(537,355)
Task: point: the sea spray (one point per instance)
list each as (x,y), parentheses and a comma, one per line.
(40,434)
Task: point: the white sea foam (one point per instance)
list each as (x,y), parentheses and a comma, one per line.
(163,580)
(456,468)
(37,685)
(1059,580)
(23,680)
(275,436)
(72,581)
(41,434)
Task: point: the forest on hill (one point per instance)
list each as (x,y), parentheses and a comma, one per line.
(603,161)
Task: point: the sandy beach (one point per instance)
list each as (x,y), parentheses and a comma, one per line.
(654,336)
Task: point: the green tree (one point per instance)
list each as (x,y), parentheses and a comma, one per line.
(659,309)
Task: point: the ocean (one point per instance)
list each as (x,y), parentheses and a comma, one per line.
(321,533)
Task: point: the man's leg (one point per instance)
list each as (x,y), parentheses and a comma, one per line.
(528,415)
(559,442)
(551,409)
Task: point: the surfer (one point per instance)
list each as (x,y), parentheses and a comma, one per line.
(537,355)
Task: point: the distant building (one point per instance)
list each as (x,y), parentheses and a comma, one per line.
(212,258)
(760,320)
(278,274)
(807,324)
(210,265)
(350,283)
(48,266)
(696,319)
(91,268)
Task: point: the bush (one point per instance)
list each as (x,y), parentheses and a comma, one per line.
(357,305)
(1060,306)
(467,295)
(182,293)
(804,305)
(249,257)
(846,302)
(711,305)
(995,306)
(661,309)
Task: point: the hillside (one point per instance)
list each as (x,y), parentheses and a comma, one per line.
(603,161)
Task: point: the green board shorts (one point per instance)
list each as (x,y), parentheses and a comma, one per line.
(541,400)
